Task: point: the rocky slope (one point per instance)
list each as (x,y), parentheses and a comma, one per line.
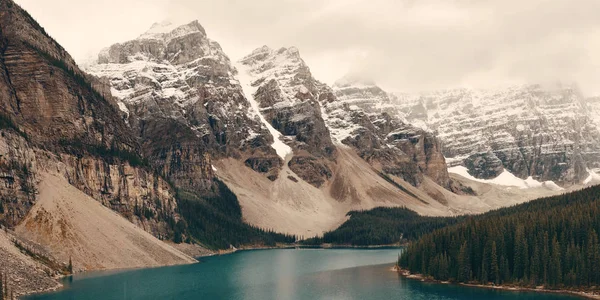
(73,226)
(22,272)
(549,133)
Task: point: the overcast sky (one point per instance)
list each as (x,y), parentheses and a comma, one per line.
(404,45)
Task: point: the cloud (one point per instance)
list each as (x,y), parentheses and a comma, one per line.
(407,45)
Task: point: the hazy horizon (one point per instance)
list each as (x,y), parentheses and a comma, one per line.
(406,46)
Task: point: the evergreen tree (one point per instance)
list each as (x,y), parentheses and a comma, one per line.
(555,269)
(495,268)
(464,268)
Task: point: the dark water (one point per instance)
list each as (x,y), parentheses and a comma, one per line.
(276,274)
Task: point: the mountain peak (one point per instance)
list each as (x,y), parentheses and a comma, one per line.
(265,52)
(354,80)
(171,29)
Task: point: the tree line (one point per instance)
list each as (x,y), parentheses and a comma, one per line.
(551,242)
(382,226)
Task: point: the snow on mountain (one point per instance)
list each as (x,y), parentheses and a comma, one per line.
(357,92)
(180,92)
(176,72)
(287,94)
(593,105)
(532,130)
(506,179)
(593,177)
(245,80)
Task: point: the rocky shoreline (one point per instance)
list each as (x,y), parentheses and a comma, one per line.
(583,294)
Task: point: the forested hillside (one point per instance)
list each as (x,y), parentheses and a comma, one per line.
(382,226)
(551,242)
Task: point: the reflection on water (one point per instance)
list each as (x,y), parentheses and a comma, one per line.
(276,274)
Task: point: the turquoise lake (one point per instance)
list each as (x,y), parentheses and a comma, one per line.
(276,274)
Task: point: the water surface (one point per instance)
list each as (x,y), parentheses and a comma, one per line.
(277,274)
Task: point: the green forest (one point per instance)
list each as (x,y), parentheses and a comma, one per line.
(216,222)
(551,242)
(382,226)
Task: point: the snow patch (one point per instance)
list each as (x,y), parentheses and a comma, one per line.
(123,108)
(245,80)
(506,178)
(213,168)
(592,177)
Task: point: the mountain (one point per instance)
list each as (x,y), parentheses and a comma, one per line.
(295,153)
(285,95)
(546,132)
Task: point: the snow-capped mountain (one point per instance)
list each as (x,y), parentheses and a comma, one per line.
(179,91)
(297,154)
(285,95)
(549,133)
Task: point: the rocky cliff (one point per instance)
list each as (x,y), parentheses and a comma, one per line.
(547,132)
(52,118)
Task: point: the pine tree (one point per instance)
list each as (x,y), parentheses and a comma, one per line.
(464,267)
(555,268)
(495,269)
(518,252)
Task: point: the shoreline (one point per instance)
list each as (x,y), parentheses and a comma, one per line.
(347,246)
(582,294)
(300,246)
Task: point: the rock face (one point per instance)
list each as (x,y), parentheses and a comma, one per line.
(361,115)
(287,97)
(177,90)
(51,118)
(548,133)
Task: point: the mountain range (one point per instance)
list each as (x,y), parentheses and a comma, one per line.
(177,150)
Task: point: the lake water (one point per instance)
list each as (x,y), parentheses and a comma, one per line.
(276,274)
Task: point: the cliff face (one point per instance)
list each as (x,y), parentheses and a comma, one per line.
(362,116)
(52,119)
(287,97)
(549,133)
